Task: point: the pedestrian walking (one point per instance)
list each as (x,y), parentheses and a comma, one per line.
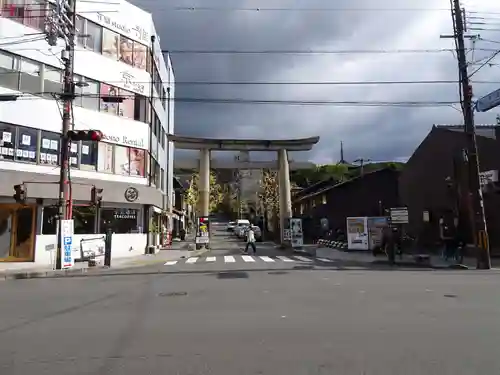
(250,240)
(448,234)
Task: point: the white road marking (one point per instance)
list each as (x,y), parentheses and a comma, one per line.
(171,263)
(303,259)
(266,259)
(247,258)
(229,259)
(285,259)
(325,260)
(211,259)
(192,260)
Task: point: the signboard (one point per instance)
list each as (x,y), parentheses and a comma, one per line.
(357,233)
(399,215)
(297,236)
(67,231)
(488,102)
(203,230)
(487,177)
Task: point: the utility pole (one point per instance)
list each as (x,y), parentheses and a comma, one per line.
(475,196)
(362,162)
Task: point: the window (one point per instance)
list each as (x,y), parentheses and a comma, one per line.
(26,144)
(323,199)
(88,155)
(126,108)
(52,81)
(29,12)
(110,44)
(162,179)
(107,90)
(141,108)
(163,98)
(93,36)
(162,138)
(73,154)
(137,162)
(49,220)
(105,157)
(157,81)
(157,174)
(7,141)
(30,80)
(129,161)
(90,95)
(80,31)
(126,50)
(153,173)
(9,75)
(49,148)
(140,52)
(119,220)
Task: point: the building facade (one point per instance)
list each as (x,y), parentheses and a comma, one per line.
(117,53)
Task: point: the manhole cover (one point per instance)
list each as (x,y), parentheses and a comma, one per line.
(232,275)
(277,273)
(173,294)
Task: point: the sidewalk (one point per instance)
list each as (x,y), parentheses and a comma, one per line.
(16,271)
(366,257)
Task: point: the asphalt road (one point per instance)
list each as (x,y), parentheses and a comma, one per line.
(261,321)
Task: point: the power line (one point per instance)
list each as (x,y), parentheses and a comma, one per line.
(317,52)
(353,103)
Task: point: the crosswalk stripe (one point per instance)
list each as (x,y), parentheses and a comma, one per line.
(192,260)
(211,259)
(266,259)
(247,258)
(303,259)
(171,263)
(285,259)
(229,259)
(325,260)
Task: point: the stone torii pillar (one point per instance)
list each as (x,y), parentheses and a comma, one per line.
(285,195)
(204,183)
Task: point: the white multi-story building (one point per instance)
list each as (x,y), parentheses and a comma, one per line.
(117,53)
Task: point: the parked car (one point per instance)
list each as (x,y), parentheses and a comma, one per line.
(240,224)
(230,227)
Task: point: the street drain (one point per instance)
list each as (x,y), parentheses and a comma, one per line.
(303,267)
(232,275)
(277,273)
(450,295)
(172,294)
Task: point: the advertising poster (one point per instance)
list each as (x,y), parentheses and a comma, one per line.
(203,230)
(110,44)
(122,165)
(105,157)
(297,235)
(140,53)
(376,227)
(357,233)
(137,162)
(126,108)
(107,90)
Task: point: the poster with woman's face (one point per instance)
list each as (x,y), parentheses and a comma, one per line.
(126,50)
(137,162)
(140,53)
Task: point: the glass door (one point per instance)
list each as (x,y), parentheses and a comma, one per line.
(17,233)
(6,216)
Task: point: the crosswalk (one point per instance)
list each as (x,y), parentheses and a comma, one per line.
(245,259)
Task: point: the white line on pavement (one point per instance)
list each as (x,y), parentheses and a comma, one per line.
(229,259)
(266,259)
(171,263)
(303,259)
(285,259)
(247,258)
(192,260)
(325,260)
(210,259)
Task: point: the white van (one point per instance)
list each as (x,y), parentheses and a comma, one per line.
(241,224)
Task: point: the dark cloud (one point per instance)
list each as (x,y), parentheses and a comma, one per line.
(381,133)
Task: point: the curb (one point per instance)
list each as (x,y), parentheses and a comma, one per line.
(44,274)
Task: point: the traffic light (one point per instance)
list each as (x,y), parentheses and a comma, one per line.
(85,135)
(96,196)
(20,195)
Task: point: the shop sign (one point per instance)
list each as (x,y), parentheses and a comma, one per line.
(129,82)
(131,194)
(136,31)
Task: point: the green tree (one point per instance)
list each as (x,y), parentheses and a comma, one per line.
(311,176)
(216,192)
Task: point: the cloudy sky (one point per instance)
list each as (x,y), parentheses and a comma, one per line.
(377,133)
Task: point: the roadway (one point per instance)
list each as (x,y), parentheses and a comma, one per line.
(274,319)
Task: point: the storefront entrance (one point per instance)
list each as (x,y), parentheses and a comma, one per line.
(17,232)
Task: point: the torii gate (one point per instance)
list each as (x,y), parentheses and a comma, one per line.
(281,146)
